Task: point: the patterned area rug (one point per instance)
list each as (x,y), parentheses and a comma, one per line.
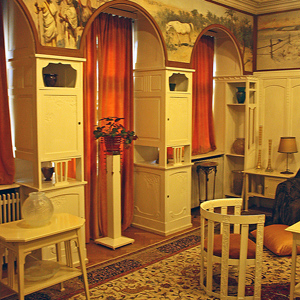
(167,270)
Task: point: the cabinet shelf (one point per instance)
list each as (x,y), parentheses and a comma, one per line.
(235,104)
(154,165)
(235,155)
(49,185)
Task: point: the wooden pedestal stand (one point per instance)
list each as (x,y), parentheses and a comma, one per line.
(114,238)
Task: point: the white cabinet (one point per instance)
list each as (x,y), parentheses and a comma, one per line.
(48,129)
(241,122)
(48,120)
(162,199)
(163,120)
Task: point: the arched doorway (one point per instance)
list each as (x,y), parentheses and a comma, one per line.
(145,31)
(228,63)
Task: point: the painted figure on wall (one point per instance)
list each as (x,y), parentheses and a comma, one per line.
(60,23)
(180,30)
(68,16)
(49,12)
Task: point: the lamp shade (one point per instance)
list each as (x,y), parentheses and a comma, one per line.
(287,145)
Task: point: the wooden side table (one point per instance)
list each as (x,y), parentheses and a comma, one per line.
(295,230)
(20,240)
(262,184)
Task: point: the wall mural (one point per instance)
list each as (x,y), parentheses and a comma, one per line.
(60,23)
(278,45)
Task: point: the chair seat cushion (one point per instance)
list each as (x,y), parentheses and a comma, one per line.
(277,239)
(234,246)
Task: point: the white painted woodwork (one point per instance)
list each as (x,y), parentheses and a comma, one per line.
(241,121)
(162,199)
(21,240)
(163,120)
(279,115)
(114,238)
(162,117)
(47,121)
(217,219)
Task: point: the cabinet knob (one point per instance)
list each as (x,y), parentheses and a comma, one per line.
(168,196)
(168,119)
(79,123)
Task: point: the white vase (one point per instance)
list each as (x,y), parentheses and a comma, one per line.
(37,209)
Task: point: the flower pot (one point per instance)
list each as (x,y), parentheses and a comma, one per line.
(112,144)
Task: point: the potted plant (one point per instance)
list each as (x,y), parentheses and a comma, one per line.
(113,134)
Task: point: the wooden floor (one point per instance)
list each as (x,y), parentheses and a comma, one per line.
(98,253)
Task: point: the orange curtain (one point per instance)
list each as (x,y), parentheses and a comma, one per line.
(109,58)
(202,120)
(7,167)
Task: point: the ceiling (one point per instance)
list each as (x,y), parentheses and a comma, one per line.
(262,6)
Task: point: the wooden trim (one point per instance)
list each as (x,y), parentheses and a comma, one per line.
(254,54)
(177,64)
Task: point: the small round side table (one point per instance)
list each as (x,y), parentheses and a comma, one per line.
(207,167)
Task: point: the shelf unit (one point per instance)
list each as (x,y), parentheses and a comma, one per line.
(163,111)
(241,121)
(48,129)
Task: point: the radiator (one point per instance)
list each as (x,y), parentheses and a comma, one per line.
(10,207)
(10,210)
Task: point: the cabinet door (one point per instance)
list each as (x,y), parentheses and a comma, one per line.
(271,186)
(60,125)
(178,120)
(178,193)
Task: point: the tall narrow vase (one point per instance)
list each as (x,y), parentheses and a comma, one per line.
(240,94)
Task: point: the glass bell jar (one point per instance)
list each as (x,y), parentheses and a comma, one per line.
(37,209)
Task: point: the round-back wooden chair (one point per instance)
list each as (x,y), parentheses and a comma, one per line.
(225,240)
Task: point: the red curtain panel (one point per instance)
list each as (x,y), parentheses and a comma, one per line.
(108,92)
(203,136)
(7,167)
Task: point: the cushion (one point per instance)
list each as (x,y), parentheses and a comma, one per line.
(277,239)
(234,246)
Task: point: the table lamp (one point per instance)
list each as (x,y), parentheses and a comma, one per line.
(287,145)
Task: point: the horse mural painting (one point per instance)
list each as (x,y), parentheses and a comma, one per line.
(180,30)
